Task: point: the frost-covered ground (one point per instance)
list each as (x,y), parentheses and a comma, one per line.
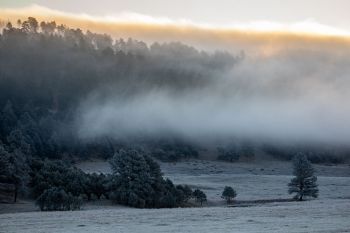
(253,181)
(315,216)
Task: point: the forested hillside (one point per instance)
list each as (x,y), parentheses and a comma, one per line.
(47,71)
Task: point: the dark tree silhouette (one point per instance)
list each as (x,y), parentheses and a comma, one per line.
(13,170)
(304,183)
(137,181)
(57,199)
(200,196)
(228,194)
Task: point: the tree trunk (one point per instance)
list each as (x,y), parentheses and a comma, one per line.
(15,197)
(301,191)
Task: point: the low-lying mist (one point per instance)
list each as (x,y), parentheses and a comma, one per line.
(293,96)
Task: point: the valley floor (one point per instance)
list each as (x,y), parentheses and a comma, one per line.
(314,216)
(253,181)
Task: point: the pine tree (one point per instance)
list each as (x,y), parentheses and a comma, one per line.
(200,196)
(17,171)
(304,182)
(132,179)
(185,192)
(228,194)
(97,184)
(8,119)
(137,181)
(4,164)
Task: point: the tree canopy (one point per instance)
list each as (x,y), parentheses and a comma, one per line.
(137,181)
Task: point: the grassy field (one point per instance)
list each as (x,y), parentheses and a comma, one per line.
(253,181)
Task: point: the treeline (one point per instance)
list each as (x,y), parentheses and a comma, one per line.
(316,154)
(236,151)
(246,151)
(55,67)
(136,181)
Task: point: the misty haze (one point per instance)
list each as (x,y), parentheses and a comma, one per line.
(136,122)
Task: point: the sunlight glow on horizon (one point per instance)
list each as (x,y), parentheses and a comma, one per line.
(306,27)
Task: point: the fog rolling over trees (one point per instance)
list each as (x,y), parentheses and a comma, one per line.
(296,95)
(69,92)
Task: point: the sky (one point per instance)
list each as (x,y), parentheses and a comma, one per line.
(333,13)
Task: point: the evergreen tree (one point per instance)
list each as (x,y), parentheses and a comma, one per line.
(98,184)
(200,196)
(17,171)
(17,141)
(48,174)
(132,179)
(304,183)
(228,194)
(30,25)
(185,192)
(73,181)
(8,119)
(31,133)
(87,185)
(137,181)
(4,164)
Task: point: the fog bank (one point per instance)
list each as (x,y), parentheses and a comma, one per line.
(295,96)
